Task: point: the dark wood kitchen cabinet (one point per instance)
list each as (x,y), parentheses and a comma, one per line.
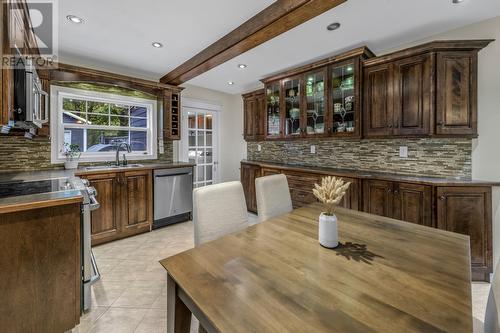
(137,197)
(427,90)
(412,203)
(299,183)
(40,275)
(377,197)
(379,103)
(254,109)
(104,220)
(467,210)
(402,201)
(413,95)
(126,205)
(457,93)
(249,173)
(399,97)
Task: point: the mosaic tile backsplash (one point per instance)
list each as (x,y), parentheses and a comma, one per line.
(443,157)
(20,154)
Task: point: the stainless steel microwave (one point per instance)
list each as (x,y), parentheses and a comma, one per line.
(28,96)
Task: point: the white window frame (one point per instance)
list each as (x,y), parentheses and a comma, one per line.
(57,93)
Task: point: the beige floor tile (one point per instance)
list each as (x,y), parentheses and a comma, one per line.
(105,293)
(135,297)
(161,301)
(155,321)
(118,320)
(89,318)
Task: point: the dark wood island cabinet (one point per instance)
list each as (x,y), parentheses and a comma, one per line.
(40,267)
(459,206)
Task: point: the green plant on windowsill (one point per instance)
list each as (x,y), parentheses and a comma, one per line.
(72,153)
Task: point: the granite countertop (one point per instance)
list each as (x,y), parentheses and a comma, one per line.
(26,202)
(82,171)
(427,180)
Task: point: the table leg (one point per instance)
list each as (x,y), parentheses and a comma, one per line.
(178,314)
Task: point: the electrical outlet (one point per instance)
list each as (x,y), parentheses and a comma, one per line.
(259,148)
(403,152)
(313,149)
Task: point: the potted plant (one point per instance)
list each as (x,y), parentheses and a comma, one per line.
(72,153)
(330,193)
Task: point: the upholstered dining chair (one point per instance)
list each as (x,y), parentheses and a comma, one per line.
(491,319)
(218,210)
(273,196)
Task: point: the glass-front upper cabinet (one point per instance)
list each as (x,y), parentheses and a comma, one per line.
(345,110)
(291,96)
(315,103)
(273,109)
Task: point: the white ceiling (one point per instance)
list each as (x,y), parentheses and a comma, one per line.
(117,34)
(379,24)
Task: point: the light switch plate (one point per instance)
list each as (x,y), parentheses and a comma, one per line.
(403,152)
(313,149)
(259,148)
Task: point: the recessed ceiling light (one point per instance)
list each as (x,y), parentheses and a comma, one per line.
(333,26)
(157,45)
(230,83)
(242,66)
(74,19)
(457,1)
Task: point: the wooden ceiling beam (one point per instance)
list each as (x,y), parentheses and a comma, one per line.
(276,19)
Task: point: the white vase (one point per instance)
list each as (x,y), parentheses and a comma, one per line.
(328,232)
(71,164)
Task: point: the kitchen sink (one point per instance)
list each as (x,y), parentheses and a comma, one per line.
(110,167)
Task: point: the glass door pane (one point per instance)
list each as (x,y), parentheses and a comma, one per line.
(292,106)
(273,109)
(343,90)
(315,102)
(200,146)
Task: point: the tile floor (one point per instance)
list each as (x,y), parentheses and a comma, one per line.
(131,296)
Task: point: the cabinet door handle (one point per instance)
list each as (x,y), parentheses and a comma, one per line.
(442,198)
(390,126)
(389,190)
(396,192)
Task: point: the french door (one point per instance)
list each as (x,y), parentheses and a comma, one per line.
(199,144)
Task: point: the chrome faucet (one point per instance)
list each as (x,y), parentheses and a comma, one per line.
(129,150)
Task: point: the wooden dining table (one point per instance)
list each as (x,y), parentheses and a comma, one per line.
(385,276)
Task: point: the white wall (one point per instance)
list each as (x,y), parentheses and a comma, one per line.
(232,147)
(486,149)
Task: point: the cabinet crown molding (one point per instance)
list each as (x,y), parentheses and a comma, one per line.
(434,46)
(364,52)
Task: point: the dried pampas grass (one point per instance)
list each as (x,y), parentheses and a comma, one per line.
(330,192)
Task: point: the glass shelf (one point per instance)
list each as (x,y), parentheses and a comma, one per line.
(273,109)
(315,103)
(344,98)
(292,106)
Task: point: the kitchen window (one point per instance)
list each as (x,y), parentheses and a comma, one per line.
(98,122)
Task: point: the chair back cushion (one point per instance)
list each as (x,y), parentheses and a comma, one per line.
(218,210)
(491,322)
(273,196)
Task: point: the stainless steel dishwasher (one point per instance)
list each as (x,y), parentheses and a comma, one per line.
(173,196)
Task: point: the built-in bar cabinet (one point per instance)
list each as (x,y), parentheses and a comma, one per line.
(424,91)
